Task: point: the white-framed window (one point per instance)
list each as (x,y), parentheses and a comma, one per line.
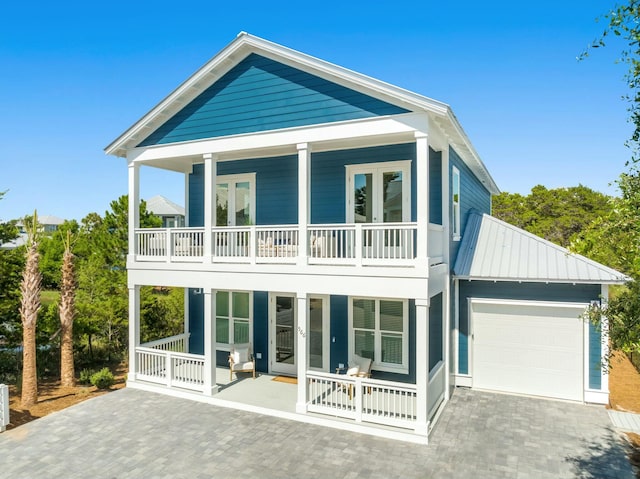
(236,200)
(379,192)
(234,317)
(455,203)
(379,330)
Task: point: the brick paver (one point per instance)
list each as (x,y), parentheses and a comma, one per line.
(131,433)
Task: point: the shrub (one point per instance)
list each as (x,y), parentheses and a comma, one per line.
(85,376)
(103,379)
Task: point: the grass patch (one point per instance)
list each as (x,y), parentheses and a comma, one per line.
(49,296)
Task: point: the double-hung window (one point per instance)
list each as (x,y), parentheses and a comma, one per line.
(380,331)
(455,203)
(233,317)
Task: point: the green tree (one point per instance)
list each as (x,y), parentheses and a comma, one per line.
(554,214)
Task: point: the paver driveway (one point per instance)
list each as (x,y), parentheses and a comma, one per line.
(131,433)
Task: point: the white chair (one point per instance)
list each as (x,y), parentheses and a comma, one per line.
(357,367)
(241,360)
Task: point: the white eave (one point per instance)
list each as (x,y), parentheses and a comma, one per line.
(245,44)
(492,250)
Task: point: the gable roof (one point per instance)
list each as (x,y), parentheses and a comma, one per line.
(497,251)
(161,206)
(244,45)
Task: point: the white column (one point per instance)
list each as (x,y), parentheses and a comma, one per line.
(301,354)
(448,295)
(210,386)
(209,203)
(422,200)
(186,317)
(422,365)
(604,340)
(186,197)
(304,173)
(134,331)
(134,207)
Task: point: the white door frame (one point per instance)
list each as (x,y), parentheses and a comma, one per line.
(231,181)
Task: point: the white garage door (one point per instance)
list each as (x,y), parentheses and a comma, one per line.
(528,348)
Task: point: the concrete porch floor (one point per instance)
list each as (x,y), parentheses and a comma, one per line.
(262,391)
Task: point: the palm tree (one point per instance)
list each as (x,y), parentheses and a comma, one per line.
(67,314)
(29,307)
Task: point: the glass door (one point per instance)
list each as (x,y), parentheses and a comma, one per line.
(283,323)
(235,200)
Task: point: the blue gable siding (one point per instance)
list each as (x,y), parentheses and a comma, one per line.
(579,293)
(260,94)
(276,188)
(435,187)
(473,195)
(328,178)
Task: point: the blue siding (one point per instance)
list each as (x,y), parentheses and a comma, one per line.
(436,331)
(473,195)
(435,187)
(196,322)
(276,188)
(328,178)
(260,94)
(195,216)
(579,293)
(339,324)
(261,329)
(595,364)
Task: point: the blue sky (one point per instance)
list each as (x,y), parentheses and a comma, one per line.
(74,75)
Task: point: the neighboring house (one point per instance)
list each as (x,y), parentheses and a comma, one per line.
(48,224)
(325,213)
(171,214)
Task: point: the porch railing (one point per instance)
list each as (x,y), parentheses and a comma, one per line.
(177,343)
(181,370)
(435,241)
(362,399)
(351,244)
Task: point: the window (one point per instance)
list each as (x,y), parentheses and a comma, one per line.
(379,331)
(455,203)
(233,317)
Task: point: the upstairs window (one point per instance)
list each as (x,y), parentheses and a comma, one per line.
(233,317)
(455,203)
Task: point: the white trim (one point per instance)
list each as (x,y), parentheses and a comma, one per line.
(379,365)
(377,170)
(530,302)
(604,342)
(231,181)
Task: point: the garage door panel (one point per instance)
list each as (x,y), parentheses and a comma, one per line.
(528,349)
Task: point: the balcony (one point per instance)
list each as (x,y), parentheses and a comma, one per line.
(359,244)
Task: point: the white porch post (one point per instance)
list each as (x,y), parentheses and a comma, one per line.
(304,172)
(448,295)
(209,204)
(422,365)
(301,354)
(422,200)
(134,207)
(210,386)
(134,330)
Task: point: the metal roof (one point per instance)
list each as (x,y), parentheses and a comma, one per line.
(162,206)
(494,250)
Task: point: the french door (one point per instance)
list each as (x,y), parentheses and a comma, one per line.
(235,200)
(283,324)
(379,192)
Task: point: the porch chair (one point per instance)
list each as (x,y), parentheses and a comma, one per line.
(241,360)
(357,367)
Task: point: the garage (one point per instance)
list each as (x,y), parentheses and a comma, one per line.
(526,347)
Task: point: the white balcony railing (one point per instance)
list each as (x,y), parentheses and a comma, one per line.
(362,399)
(177,343)
(388,244)
(170,368)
